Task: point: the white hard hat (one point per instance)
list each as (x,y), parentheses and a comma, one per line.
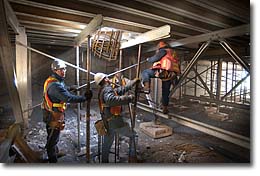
(58,64)
(99,77)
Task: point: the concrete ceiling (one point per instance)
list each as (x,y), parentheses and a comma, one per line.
(59,22)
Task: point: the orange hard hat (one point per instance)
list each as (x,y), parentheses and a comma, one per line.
(161,44)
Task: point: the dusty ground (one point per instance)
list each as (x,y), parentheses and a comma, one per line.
(184,146)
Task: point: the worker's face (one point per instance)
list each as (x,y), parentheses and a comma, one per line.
(61,72)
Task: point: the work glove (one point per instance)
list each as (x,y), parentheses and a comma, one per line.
(134,82)
(73,88)
(88,94)
(129,98)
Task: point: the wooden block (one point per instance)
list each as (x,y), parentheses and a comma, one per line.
(218,116)
(210,109)
(155,131)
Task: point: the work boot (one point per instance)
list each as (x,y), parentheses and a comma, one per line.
(146,88)
(132,159)
(165,110)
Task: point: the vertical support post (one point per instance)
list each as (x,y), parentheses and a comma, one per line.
(235,80)
(78,93)
(232,83)
(226,84)
(156,90)
(219,76)
(22,74)
(136,87)
(29,80)
(195,86)
(88,103)
(120,59)
(6,57)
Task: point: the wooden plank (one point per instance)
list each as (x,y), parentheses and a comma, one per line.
(155,34)
(216,35)
(91,27)
(6,57)
(22,73)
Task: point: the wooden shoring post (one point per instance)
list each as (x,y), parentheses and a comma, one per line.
(120,64)
(195,86)
(78,93)
(226,83)
(219,80)
(88,102)
(181,87)
(206,78)
(6,58)
(235,80)
(232,81)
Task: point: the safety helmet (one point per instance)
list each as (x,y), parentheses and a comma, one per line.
(161,44)
(99,77)
(58,64)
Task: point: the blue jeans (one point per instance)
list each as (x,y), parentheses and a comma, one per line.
(109,139)
(166,85)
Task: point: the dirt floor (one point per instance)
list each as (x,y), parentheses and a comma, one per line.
(184,146)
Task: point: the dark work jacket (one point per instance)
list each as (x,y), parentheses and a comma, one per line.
(58,92)
(157,57)
(113,97)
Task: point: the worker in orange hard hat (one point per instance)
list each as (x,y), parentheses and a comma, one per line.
(166,67)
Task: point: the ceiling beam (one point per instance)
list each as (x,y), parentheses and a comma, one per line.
(140,13)
(225,8)
(184,12)
(91,28)
(221,34)
(11,18)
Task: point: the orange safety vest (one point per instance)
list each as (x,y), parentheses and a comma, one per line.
(123,83)
(168,63)
(115,110)
(47,103)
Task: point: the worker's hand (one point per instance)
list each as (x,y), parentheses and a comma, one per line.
(134,82)
(88,94)
(72,88)
(131,98)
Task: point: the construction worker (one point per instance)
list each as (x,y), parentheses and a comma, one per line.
(55,97)
(166,67)
(110,102)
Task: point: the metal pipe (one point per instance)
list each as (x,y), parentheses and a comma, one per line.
(52,57)
(111,74)
(88,103)
(233,54)
(78,93)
